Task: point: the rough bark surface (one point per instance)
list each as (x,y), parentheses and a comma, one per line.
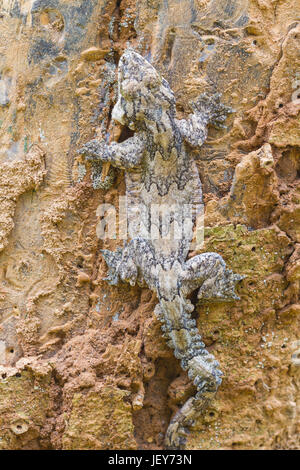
(83,364)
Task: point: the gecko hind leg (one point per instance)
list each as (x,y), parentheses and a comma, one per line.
(121,266)
(131,264)
(209,273)
(112,259)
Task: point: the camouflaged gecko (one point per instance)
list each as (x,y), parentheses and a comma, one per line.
(160,171)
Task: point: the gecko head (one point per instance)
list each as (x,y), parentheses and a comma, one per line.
(142,93)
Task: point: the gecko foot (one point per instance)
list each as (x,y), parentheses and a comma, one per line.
(221,288)
(93,150)
(113,259)
(208,271)
(121,266)
(212,109)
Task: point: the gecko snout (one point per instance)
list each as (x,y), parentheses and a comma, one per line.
(118,113)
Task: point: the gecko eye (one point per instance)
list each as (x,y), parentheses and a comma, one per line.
(152,81)
(129,88)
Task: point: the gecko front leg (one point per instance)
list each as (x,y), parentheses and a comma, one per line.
(207,110)
(126,155)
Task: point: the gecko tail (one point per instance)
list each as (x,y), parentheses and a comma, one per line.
(203,369)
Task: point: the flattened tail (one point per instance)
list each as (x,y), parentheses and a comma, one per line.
(183,336)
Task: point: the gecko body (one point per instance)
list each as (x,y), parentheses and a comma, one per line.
(161,177)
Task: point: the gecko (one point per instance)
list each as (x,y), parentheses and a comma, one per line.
(161,172)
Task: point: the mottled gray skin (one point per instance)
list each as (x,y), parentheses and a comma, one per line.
(160,170)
